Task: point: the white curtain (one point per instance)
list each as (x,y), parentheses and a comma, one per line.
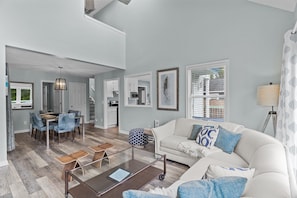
(287,109)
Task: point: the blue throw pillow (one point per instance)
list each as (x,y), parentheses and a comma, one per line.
(141,194)
(227,140)
(231,187)
(196,129)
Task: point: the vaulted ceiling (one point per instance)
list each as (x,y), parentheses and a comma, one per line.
(31,60)
(288,5)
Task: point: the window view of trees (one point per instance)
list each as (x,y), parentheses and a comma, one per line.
(13,95)
(21,95)
(25,95)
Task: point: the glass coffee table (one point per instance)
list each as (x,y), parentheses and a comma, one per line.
(130,168)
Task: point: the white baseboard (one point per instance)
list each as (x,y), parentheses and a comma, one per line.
(99,127)
(124,132)
(22,131)
(4,163)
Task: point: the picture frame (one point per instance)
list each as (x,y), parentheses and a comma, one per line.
(167,89)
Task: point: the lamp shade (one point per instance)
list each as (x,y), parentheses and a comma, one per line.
(60,84)
(267,95)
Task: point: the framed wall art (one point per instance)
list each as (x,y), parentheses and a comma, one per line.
(167,89)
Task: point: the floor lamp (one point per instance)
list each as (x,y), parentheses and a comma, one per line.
(267,95)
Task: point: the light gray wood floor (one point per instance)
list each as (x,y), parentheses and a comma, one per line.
(33,170)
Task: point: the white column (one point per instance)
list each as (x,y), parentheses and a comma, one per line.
(3,139)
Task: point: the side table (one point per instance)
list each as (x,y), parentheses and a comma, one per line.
(71,161)
(100,153)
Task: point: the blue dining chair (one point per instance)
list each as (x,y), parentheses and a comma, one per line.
(66,123)
(39,125)
(33,127)
(77,119)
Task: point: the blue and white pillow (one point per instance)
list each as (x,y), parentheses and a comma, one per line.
(207,136)
(215,171)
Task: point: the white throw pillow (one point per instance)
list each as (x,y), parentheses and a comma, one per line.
(207,136)
(215,171)
(170,191)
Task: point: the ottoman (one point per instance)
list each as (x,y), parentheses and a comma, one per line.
(137,137)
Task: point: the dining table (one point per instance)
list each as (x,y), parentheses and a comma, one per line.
(52,117)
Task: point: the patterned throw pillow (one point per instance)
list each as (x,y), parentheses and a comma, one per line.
(207,136)
(215,171)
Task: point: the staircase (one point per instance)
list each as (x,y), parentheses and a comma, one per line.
(92,109)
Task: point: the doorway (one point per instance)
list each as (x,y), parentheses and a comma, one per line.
(111,103)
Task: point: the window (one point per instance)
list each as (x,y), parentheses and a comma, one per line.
(21,95)
(206,91)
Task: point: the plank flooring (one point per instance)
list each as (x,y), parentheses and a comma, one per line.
(33,170)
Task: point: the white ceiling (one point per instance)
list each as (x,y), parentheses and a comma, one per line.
(25,59)
(288,5)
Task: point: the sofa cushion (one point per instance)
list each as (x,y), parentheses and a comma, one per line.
(227,140)
(269,158)
(183,126)
(237,128)
(251,141)
(195,150)
(231,187)
(175,152)
(172,141)
(272,185)
(233,159)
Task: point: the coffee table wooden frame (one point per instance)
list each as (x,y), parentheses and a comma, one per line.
(114,189)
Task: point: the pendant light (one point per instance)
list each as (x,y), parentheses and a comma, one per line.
(60,83)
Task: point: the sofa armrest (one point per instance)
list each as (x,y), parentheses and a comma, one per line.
(162,132)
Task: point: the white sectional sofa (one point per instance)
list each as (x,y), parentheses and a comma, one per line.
(254,150)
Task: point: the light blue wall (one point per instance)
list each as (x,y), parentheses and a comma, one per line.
(175,33)
(21,117)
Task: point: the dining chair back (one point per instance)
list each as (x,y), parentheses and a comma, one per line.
(39,125)
(33,126)
(66,123)
(77,119)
